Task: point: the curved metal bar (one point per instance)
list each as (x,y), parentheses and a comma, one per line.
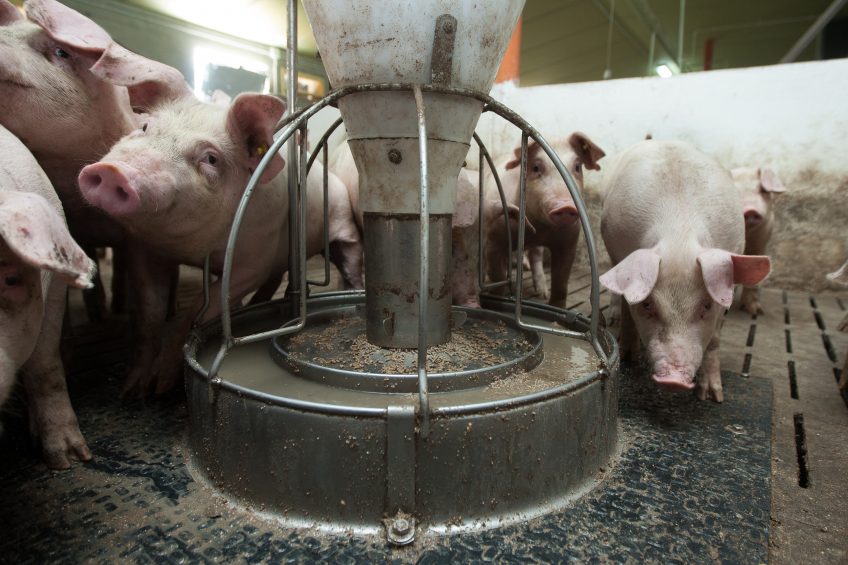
(289,124)
(424,265)
(323,147)
(207,275)
(480,274)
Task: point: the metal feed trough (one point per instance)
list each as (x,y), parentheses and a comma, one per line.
(389,410)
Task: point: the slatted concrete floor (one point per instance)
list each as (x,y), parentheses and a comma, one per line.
(794,344)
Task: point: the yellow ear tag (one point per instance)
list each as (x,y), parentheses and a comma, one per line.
(585,147)
(260,151)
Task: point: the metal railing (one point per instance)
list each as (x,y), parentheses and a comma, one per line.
(297,122)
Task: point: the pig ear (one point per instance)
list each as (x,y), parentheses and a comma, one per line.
(252,118)
(39,236)
(532,148)
(635,276)
(8,13)
(722,269)
(770,182)
(149,82)
(588,153)
(68,26)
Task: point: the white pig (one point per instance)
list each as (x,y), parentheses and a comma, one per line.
(550,209)
(65,115)
(176,182)
(672,224)
(758,188)
(38,259)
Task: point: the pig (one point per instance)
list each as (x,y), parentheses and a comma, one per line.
(176,181)
(38,260)
(65,115)
(550,209)
(673,226)
(757,187)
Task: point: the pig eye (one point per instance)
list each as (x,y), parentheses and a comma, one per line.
(647,306)
(578,168)
(12,280)
(144,127)
(59,52)
(210,159)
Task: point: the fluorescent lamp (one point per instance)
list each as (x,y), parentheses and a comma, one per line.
(664,71)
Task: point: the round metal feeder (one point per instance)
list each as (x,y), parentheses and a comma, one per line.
(389,409)
(301,437)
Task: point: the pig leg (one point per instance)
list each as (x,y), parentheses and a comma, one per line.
(268,288)
(51,416)
(496,262)
(843,325)
(628,337)
(843,378)
(537,267)
(709,380)
(119,280)
(347,257)
(168,369)
(94,298)
(152,278)
(750,301)
(562,259)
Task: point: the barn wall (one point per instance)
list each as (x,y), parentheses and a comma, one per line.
(792,118)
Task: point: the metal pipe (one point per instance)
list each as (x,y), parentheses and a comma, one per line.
(644,10)
(522,217)
(814,30)
(491,164)
(651,53)
(295,230)
(424,273)
(680,25)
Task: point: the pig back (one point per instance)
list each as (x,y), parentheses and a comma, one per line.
(668,190)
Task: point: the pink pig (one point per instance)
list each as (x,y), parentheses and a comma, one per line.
(673,227)
(758,187)
(550,209)
(64,114)
(38,259)
(176,182)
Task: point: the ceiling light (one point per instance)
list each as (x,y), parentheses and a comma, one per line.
(664,71)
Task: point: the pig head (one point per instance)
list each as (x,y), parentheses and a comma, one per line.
(50,99)
(677,295)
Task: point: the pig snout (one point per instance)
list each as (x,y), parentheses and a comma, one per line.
(675,379)
(563,213)
(674,365)
(108,186)
(752,216)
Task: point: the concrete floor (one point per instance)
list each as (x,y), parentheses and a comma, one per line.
(795,345)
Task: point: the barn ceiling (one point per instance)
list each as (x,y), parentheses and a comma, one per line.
(567,40)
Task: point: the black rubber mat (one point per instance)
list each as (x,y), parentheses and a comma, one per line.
(692,485)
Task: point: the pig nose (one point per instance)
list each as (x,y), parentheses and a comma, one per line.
(106,186)
(564,214)
(752,217)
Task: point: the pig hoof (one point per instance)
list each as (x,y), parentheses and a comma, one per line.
(56,450)
(753,308)
(703,393)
